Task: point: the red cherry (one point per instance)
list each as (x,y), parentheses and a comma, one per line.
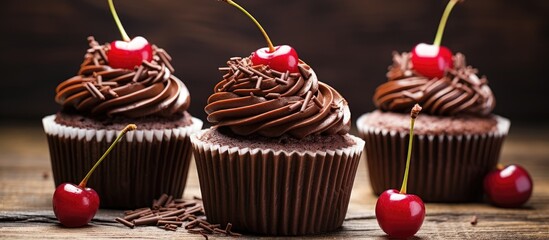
(129,54)
(431,61)
(399,215)
(73,205)
(508,187)
(281,59)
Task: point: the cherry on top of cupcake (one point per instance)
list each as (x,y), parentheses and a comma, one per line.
(435,78)
(274,94)
(257,100)
(280,58)
(131,79)
(128,53)
(459,92)
(433,60)
(103,92)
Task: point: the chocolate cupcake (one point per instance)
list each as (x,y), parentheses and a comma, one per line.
(278,159)
(457,141)
(100,100)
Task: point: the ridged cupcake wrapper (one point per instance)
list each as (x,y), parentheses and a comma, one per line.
(444,168)
(145,164)
(276,193)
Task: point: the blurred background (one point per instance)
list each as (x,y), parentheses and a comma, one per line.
(347,42)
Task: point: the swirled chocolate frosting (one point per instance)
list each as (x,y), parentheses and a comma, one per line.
(259,100)
(460,91)
(99,90)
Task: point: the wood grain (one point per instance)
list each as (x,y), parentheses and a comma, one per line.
(26,187)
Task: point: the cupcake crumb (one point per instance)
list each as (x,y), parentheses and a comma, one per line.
(474,220)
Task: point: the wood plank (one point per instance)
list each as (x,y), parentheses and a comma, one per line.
(26,187)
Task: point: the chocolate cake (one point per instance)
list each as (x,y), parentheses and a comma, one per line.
(278,159)
(311,143)
(458,139)
(101,100)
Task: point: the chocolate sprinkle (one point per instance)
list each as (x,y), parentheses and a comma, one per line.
(150,65)
(126,223)
(317,102)
(276,73)
(160,50)
(258,83)
(161,201)
(281,81)
(258,72)
(227,85)
(169,202)
(166,62)
(137,214)
(103,55)
(306,101)
(139,72)
(99,79)
(146,220)
(161,75)
(166,222)
(272,95)
(128,212)
(474,220)
(295,105)
(248,72)
(224,69)
(113,84)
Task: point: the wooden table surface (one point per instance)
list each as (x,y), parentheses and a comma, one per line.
(26,188)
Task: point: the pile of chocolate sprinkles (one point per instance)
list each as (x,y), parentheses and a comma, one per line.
(170,214)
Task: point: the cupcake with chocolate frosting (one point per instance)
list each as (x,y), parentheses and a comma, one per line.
(278,159)
(100,100)
(458,140)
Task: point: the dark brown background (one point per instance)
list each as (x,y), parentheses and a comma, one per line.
(348,42)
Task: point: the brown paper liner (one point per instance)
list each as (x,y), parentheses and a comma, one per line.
(443,168)
(276,193)
(145,164)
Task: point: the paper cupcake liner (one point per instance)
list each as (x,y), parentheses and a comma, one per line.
(444,168)
(145,164)
(276,192)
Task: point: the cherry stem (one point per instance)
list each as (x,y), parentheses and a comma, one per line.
(118,23)
(500,166)
(269,43)
(413,115)
(129,127)
(442,24)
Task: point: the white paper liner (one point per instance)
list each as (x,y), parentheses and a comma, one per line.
(444,168)
(55,129)
(145,164)
(276,192)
